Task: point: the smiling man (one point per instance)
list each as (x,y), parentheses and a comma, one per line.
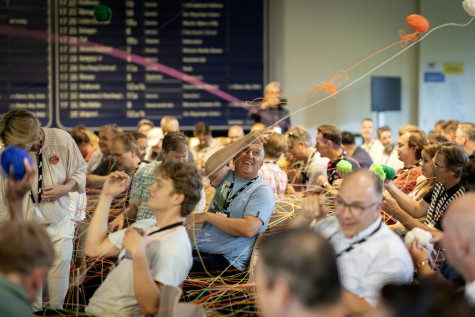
(239,211)
(369,254)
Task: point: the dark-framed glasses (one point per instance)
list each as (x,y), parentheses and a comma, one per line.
(356,208)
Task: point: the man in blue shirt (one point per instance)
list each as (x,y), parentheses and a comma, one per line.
(239,211)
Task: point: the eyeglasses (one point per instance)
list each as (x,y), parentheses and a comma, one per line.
(356,209)
(437,165)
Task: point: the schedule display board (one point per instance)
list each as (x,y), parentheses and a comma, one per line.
(57,61)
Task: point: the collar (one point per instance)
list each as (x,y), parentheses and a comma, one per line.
(452,190)
(366,232)
(470,292)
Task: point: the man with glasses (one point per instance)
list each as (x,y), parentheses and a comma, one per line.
(368,253)
(449,161)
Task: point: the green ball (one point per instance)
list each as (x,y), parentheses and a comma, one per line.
(102,13)
(344,166)
(378,169)
(389,171)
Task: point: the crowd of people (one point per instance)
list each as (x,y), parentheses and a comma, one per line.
(343,252)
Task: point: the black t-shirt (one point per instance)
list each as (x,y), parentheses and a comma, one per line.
(332,170)
(106,167)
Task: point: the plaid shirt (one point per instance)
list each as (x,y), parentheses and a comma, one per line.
(142,181)
(274,176)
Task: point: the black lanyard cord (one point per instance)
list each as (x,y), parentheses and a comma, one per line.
(353,245)
(228,199)
(40,176)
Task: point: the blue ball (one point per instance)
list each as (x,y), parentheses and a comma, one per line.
(13,155)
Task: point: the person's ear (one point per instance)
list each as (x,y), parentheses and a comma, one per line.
(35,282)
(179,198)
(282,294)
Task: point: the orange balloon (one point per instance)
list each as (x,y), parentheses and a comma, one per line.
(418,23)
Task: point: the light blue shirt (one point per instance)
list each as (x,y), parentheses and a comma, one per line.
(256,200)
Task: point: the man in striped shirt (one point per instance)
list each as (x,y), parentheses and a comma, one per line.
(449,161)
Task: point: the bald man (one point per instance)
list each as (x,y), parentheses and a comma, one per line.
(235,133)
(459,240)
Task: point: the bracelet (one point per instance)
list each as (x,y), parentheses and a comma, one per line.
(325,184)
(425,262)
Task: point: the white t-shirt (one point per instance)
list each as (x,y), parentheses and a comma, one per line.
(169,258)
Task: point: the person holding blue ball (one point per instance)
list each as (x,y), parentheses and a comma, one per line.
(60,169)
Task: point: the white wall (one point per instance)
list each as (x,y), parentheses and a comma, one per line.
(449,44)
(310,40)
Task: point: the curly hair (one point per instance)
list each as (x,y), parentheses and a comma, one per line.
(186,180)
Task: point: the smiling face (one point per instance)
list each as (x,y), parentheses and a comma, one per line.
(248,162)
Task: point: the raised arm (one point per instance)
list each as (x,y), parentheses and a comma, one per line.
(16,190)
(216,165)
(97,242)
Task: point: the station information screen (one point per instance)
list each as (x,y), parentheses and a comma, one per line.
(194,60)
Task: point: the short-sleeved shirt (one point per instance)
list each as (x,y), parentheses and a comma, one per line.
(439,198)
(140,184)
(256,200)
(332,169)
(105,168)
(274,176)
(406,178)
(169,258)
(316,165)
(364,269)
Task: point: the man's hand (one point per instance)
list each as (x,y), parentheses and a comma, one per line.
(322,180)
(418,255)
(53,193)
(16,190)
(115,184)
(134,243)
(261,136)
(195,218)
(313,207)
(390,205)
(117,224)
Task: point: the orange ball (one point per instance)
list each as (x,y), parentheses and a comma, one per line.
(418,23)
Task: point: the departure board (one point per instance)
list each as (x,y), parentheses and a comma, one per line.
(195,60)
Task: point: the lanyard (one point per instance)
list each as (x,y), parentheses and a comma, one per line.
(407,169)
(228,199)
(176,224)
(40,176)
(129,189)
(351,247)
